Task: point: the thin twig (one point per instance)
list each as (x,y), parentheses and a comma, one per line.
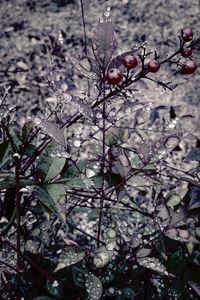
(103,174)
(18,212)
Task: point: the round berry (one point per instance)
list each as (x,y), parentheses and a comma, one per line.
(189,67)
(187,34)
(113,76)
(130,61)
(186,52)
(153,66)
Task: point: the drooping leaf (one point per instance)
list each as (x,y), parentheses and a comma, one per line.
(94,287)
(52,130)
(48,165)
(82,68)
(69,256)
(153,264)
(82,106)
(51,202)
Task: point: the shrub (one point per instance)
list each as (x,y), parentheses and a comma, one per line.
(93,204)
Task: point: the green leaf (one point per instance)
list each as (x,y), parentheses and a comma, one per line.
(55,168)
(70,256)
(139,180)
(181,235)
(51,200)
(194,154)
(135,160)
(103,255)
(94,287)
(30,150)
(74,171)
(75,182)
(48,166)
(52,130)
(128,293)
(11,183)
(28,126)
(3,175)
(175,197)
(153,264)
(5,154)
(79,277)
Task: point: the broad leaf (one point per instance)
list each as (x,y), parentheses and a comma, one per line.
(82,68)
(175,197)
(153,264)
(94,287)
(143,252)
(79,276)
(103,41)
(181,235)
(11,183)
(194,154)
(69,256)
(51,202)
(55,168)
(194,197)
(52,130)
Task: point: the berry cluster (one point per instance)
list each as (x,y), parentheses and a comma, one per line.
(114,75)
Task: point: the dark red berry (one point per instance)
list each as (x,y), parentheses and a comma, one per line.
(113,76)
(153,66)
(130,61)
(187,34)
(189,67)
(186,52)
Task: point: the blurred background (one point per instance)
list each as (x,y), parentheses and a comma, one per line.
(26,24)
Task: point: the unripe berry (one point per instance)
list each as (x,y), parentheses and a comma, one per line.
(113,76)
(153,66)
(187,34)
(189,67)
(130,61)
(186,52)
